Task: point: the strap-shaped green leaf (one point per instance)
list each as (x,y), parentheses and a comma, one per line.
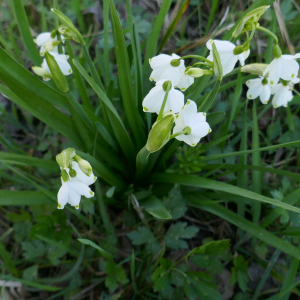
(196,181)
(16,198)
(40,108)
(11,68)
(118,126)
(125,80)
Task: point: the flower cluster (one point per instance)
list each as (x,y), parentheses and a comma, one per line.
(169,72)
(283,68)
(76,177)
(47,41)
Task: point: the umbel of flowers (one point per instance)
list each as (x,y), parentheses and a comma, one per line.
(76,177)
(177,117)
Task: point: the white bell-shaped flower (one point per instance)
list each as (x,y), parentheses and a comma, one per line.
(196,121)
(284,67)
(162,68)
(154,99)
(80,176)
(71,192)
(44,38)
(62,61)
(227,56)
(283,93)
(259,87)
(185,82)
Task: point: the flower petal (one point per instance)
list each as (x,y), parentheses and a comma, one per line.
(154,99)
(159,61)
(289,69)
(189,112)
(265,94)
(185,82)
(43,38)
(88,180)
(81,188)
(252,82)
(254,91)
(200,129)
(174,102)
(62,196)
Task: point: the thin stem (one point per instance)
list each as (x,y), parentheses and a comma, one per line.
(177,134)
(198,57)
(169,86)
(270,33)
(201,63)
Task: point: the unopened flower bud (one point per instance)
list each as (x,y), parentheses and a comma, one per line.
(197,72)
(56,73)
(256,69)
(53,33)
(65,157)
(160,133)
(41,72)
(72,30)
(238,50)
(84,165)
(69,34)
(250,18)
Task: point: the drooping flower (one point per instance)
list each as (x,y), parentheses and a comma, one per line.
(227,56)
(82,177)
(259,87)
(62,61)
(185,82)
(154,99)
(284,67)
(44,38)
(283,93)
(193,122)
(71,192)
(163,69)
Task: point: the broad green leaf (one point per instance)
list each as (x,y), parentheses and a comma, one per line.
(125,80)
(175,204)
(196,181)
(92,244)
(155,208)
(9,264)
(25,32)
(17,198)
(11,68)
(253,229)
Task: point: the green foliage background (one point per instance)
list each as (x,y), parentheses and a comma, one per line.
(194,223)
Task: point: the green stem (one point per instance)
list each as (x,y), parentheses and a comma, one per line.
(270,33)
(177,134)
(210,63)
(169,86)
(200,63)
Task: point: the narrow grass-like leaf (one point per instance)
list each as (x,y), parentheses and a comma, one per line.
(40,108)
(29,161)
(214,5)
(118,127)
(253,229)
(256,175)
(175,21)
(215,118)
(141,161)
(32,284)
(210,98)
(125,80)
(16,198)
(238,153)
(151,50)
(196,181)
(102,171)
(25,32)
(11,68)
